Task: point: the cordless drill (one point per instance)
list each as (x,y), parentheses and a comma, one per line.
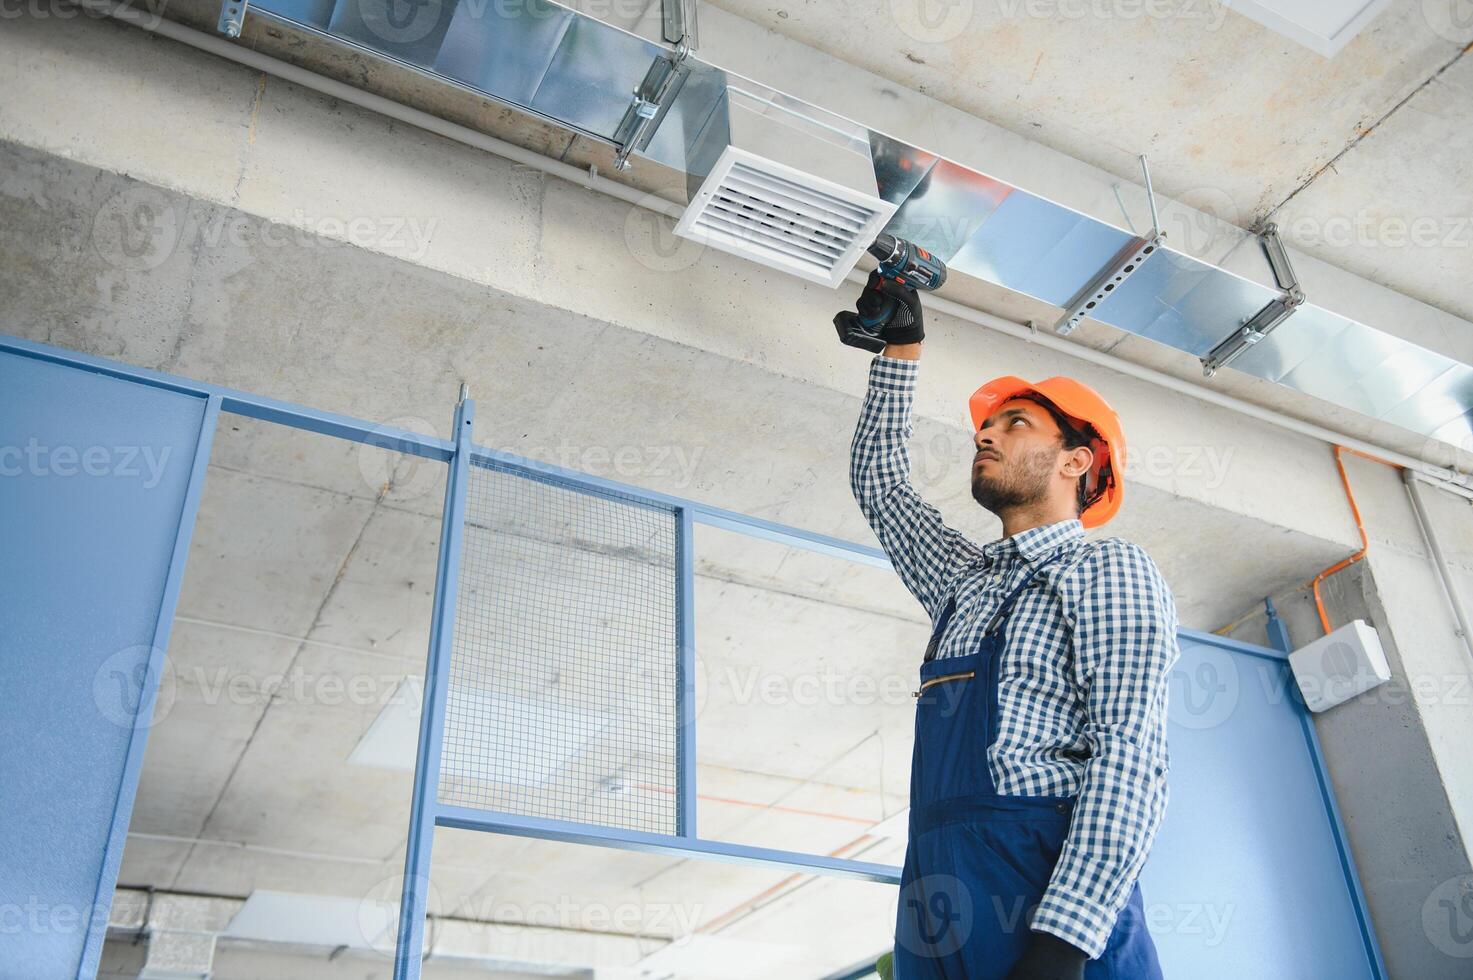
(900,261)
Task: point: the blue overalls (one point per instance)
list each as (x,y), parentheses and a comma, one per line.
(978,863)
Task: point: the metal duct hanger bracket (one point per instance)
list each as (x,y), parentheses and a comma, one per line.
(1122,266)
(232,17)
(1275,312)
(661,83)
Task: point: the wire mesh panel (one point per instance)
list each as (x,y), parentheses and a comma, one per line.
(562,693)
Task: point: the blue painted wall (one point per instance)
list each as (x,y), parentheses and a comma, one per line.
(1245,878)
(94,475)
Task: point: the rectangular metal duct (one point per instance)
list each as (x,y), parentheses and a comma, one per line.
(583,74)
(786,190)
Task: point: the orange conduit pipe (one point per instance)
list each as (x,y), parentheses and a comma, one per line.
(1319,604)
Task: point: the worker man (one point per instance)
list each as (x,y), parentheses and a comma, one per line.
(1038,778)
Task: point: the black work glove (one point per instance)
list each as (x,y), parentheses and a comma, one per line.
(892,310)
(1049,958)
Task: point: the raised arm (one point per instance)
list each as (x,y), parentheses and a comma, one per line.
(926,552)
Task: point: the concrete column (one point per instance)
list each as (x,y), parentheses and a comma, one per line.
(1397,755)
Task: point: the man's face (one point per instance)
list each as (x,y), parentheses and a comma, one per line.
(1017,456)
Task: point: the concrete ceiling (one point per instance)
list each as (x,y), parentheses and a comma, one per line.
(1346,154)
(1366,229)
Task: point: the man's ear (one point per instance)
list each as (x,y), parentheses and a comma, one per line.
(1088,459)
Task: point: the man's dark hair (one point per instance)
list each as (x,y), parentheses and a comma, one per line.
(1072,435)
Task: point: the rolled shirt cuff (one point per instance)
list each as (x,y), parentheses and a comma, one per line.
(893,373)
(1078,921)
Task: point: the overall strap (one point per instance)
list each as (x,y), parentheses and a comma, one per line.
(1004,606)
(945,618)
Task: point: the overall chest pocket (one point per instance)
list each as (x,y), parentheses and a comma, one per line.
(952,725)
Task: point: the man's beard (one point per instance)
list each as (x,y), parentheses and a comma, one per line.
(1015,487)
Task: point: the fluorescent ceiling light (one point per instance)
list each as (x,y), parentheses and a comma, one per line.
(310,920)
(544,737)
(715,956)
(1324,26)
(393,739)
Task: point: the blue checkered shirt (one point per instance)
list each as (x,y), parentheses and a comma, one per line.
(1082,686)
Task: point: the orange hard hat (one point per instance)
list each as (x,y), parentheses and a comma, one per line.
(1104,484)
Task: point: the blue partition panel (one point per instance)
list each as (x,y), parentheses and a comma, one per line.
(98,484)
(1248,876)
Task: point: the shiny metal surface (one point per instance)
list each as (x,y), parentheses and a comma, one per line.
(580,72)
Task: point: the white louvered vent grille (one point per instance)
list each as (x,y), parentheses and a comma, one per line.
(783,218)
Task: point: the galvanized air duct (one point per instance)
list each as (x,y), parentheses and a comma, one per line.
(603,82)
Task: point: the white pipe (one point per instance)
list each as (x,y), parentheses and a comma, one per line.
(1450,479)
(1419,507)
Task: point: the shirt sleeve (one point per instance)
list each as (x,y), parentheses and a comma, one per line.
(926,552)
(1124,646)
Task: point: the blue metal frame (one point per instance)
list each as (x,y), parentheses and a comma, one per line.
(685,673)
(567,831)
(718,517)
(426,811)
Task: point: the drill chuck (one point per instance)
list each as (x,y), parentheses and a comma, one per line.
(908,263)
